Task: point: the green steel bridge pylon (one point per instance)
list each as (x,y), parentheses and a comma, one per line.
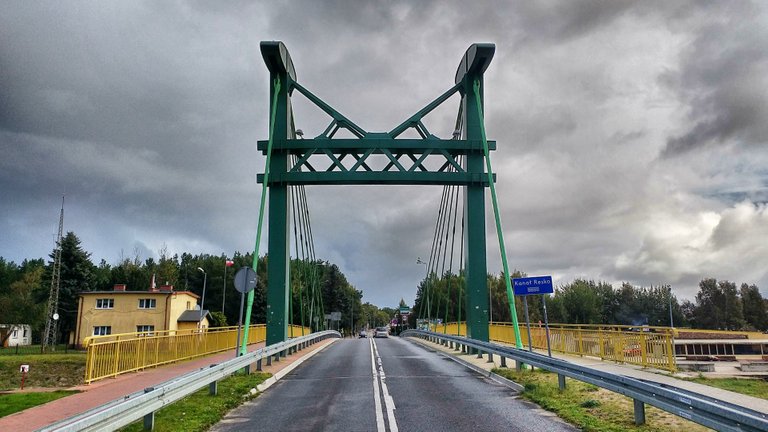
(326,160)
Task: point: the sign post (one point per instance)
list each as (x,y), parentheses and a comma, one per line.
(245,281)
(24,369)
(534,286)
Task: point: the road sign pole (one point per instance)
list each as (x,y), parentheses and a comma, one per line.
(245,282)
(546,323)
(239,323)
(527,323)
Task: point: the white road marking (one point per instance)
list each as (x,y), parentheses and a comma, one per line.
(376,398)
(389,403)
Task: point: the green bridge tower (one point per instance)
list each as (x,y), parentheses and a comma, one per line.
(320,161)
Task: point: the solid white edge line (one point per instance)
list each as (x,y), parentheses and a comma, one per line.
(380,427)
(389,402)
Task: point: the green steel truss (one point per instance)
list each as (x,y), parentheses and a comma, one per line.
(376,158)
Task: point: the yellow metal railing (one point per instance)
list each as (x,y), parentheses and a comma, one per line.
(112,355)
(643,346)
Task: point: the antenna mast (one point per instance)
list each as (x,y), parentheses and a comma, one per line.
(52,324)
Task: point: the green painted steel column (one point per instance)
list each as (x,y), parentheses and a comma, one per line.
(278,260)
(476,265)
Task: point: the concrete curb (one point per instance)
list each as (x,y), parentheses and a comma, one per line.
(487,373)
(283,372)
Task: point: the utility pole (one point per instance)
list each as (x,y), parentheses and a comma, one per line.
(52,324)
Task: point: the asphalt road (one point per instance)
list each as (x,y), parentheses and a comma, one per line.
(387,385)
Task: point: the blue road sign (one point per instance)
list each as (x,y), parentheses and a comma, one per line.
(533,285)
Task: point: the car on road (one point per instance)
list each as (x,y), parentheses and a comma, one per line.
(381,332)
(363,334)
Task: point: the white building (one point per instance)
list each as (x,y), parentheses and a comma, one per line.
(18,334)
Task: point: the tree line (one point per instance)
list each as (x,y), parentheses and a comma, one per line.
(717,305)
(25,287)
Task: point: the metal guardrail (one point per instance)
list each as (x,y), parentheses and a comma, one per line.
(692,406)
(128,409)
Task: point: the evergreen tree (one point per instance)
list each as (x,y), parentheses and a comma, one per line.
(77,275)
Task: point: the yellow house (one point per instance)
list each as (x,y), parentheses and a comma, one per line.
(120,311)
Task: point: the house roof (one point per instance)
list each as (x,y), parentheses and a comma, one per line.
(190,293)
(192,315)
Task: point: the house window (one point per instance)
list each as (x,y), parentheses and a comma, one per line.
(147,303)
(146,330)
(25,332)
(15,333)
(188,305)
(105,303)
(102,330)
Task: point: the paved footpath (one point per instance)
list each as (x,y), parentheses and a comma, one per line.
(109,389)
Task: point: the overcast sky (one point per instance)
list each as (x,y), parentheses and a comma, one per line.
(631,135)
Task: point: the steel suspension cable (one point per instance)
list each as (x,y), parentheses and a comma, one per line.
(463,280)
(446,227)
(450,265)
(499,231)
(300,257)
(317,291)
(428,278)
(249,308)
(435,259)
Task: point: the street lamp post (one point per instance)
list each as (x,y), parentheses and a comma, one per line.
(202,301)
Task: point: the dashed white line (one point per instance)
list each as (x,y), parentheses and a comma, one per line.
(389,403)
(380,427)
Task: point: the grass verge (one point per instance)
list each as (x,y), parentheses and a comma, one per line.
(45,370)
(591,408)
(748,386)
(199,411)
(14,402)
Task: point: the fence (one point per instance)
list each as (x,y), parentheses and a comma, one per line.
(37,349)
(643,346)
(112,355)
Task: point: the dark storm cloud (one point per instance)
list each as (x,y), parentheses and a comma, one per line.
(722,78)
(146,114)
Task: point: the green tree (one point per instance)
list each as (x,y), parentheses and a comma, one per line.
(167,268)
(217,319)
(733,312)
(754,307)
(581,302)
(708,314)
(9,272)
(19,304)
(77,275)
(102,276)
